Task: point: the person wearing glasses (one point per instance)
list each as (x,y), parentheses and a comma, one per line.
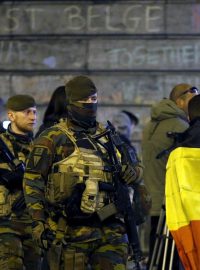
(168,115)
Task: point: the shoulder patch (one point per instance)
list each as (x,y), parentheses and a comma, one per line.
(38,151)
(38,157)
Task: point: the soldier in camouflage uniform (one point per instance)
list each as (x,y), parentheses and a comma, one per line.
(62,188)
(17,250)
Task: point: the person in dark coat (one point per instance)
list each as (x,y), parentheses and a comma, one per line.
(55,111)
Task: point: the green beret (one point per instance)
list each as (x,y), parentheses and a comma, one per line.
(20,102)
(78,88)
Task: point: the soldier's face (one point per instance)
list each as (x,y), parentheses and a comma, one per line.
(23,122)
(90,99)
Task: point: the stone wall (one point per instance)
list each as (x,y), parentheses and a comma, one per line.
(135,51)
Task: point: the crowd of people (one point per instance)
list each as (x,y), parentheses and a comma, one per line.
(73,194)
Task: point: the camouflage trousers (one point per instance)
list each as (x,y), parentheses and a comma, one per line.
(18,251)
(107,253)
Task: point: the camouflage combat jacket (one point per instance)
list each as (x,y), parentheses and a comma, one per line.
(10,220)
(47,161)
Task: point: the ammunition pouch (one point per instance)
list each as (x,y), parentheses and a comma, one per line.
(60,186)
(93,199)
(89,196)
(10,246)
(54,255)
(5,202)
(107,211)
(74,260)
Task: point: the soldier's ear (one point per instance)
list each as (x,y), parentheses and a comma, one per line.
(11,115)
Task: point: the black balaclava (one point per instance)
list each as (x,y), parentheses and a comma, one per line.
(82,114)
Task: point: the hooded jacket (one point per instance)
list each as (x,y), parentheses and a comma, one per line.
(165,117)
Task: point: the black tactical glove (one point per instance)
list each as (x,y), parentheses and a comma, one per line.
(11,179)
(129,173)
(72,204)
(42,235)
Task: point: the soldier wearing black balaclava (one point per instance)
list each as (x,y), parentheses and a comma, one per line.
(81,113)
(61,187)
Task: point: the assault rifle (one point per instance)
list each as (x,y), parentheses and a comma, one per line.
(12,179)
(122,199)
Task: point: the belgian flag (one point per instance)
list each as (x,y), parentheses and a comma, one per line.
(182,191)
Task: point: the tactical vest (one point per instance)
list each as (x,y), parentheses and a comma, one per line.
(87,165)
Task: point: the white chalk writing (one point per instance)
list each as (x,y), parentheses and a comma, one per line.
(154,55)
(89,18)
